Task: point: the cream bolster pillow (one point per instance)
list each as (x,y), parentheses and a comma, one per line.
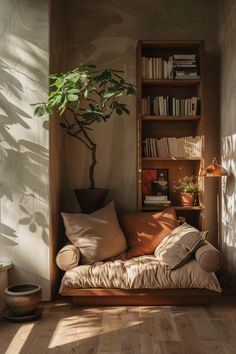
(68,257)
(208,257)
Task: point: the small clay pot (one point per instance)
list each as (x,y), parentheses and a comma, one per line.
(23,299)
(187,199)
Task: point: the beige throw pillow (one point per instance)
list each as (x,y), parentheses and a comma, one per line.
(97,235)
(177,248)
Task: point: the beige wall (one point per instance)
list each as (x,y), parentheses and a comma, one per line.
(227,43)
(24,155)
(106,32)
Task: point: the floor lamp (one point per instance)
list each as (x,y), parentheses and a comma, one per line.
(215,170)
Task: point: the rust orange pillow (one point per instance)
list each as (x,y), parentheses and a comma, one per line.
(144,231)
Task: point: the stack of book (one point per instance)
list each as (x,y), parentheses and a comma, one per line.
(157,68)
(185,66)
(170,106)
(187,146)
(155,200)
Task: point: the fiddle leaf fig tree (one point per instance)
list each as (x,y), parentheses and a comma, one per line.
(82,97)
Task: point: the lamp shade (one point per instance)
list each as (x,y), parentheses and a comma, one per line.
(214,170)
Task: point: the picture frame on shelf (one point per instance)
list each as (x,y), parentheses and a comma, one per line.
(155,182)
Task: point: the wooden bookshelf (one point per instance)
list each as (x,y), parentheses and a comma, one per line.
(171,158)
(169,126)
(176,207)
(170,118)
(168,82)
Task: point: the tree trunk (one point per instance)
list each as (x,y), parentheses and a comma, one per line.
(91,169)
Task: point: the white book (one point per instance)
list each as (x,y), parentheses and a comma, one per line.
(154,147)
(160,69)
(143,68)
(166,147)
(156,68)
(150,68)
(153,68)
(188,146)
(161,105)
(185,107)
(156,197)
(165,69)
(146,68)
(165,107)
(173,147)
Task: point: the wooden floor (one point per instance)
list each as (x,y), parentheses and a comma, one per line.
(129,330)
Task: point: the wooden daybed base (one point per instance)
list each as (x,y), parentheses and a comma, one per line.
(144,297)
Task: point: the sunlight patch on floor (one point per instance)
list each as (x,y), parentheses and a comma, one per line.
(74,328)
(20,339)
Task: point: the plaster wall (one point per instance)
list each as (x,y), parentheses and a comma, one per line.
(24,142)
(106,33)
(227,45)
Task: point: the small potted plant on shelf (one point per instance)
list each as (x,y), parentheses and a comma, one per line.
(188,188)
(84,96)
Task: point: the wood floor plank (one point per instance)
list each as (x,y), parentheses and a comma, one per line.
(125,329)
(202,324)
(188,333)
(214,347)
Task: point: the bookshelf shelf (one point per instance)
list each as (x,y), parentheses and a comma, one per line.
(176,207)
(170,118)
(171,158)
(169,82)
(170,121)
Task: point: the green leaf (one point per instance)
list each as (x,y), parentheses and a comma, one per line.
(73,90)
(57,100)
(72,98)
(86,93)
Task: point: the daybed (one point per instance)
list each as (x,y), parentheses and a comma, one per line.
(159,262)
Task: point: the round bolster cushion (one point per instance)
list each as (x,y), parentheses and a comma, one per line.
(68,257)
(208,257)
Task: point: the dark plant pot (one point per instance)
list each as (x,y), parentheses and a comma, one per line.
(91,199)
(187,199)
(23,299)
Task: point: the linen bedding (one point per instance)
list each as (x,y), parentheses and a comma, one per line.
(144,272)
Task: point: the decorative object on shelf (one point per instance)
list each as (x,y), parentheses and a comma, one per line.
(84,96)
(156,187)
(188,188)
(22,301)
(215,170)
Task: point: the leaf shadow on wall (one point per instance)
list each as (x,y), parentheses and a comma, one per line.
(22,162)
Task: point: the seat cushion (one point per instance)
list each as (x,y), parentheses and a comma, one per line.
(144,231)
(178,247)
(97,235)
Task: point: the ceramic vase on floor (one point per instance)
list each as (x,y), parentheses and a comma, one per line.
(22,301)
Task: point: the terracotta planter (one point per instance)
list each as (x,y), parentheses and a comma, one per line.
(91,199)
(23,299)
(187,199)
